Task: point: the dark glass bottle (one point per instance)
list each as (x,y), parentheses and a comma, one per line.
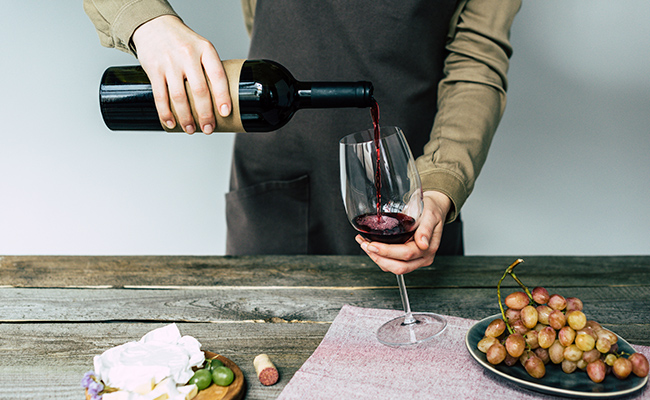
(268,96)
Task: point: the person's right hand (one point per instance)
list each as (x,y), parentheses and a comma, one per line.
(170,53)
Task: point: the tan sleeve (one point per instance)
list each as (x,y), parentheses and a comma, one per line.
(248,8)
(116,20)
(471,98)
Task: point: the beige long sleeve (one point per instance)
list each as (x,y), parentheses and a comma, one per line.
(116,20)
(471,98)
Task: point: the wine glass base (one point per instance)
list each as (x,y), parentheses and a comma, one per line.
(396,333)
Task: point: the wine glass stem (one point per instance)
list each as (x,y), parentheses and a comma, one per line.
(408,317)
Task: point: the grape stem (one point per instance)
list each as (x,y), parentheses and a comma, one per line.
(512,273)
(506,273)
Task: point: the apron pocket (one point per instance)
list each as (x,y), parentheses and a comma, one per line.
(268,218)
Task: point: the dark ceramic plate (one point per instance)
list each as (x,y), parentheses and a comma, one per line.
(556,382)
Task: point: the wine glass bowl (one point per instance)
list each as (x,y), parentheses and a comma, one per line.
(394,215)
(382,195)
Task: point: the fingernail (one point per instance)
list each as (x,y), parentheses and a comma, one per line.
(189,129)
(207,129)
(170,124)
(224,110)
(372,249)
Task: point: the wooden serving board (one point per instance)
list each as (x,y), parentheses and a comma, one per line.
(234,391)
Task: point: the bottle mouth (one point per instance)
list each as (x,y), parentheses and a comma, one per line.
(342,94)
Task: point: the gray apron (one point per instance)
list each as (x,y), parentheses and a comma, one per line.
(284,191)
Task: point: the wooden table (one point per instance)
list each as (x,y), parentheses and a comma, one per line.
(56,313)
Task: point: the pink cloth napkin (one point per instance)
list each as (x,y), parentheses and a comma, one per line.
(351,364)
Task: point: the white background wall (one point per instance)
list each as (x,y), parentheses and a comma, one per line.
(567,173)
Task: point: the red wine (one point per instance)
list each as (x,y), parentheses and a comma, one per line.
(391,228)
(265,97)
(374,114)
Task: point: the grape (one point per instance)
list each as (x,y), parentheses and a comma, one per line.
(519,327)
(222,376)
(517,300)
(510,360)
(589,331)
(569,366)
(524,357)
(591,355)
(573,304)
(529,316)
(213,363)
(495,328)
(556,352)
(557,319)
(496,353)
(603,345)
(535,367)
(581,364)
(512,315)
(622,368)
(593,325)
(532,339)
(515,344)
(596,371)
(485,343)
(609,335)
(543,312)
(585,341)
(201,378)
(540,295)
(572,353)
(576,319)
(639,365)
(610,358)
(542,354)
(546,337)
(557,302)
(566,335)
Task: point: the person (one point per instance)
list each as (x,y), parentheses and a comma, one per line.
(439,72)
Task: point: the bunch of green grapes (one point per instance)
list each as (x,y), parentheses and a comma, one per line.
(537,328)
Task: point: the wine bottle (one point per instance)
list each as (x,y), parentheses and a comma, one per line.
(265,97)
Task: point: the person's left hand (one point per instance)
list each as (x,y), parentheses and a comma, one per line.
(421,249)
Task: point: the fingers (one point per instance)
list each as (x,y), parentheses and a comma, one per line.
(180,103)
(161,99)
(218,83)
(398,259)
(202,102)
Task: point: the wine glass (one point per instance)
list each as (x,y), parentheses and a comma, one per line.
(382,195)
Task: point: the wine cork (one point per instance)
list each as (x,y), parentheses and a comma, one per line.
(266,371)
(231,123)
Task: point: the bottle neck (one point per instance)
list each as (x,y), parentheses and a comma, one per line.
(334,94)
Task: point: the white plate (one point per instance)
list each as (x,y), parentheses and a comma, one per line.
(556,382)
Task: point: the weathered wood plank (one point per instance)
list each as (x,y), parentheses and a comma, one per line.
(62,271)
(608,305)
(57,355)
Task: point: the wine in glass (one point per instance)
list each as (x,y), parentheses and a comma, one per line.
(382,195)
